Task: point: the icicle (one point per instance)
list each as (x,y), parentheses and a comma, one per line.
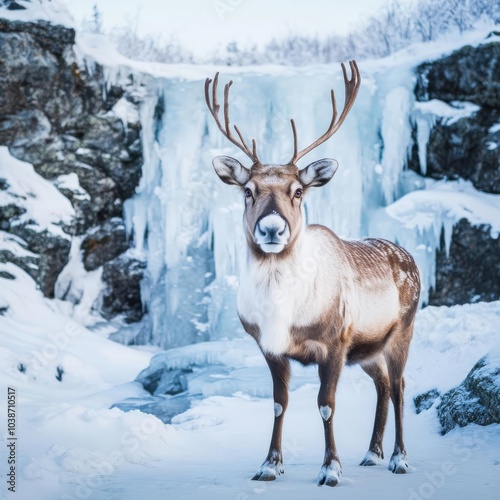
(424,123)
(448,224)
(396,136)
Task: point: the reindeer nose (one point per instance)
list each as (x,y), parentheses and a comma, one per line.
(271,227)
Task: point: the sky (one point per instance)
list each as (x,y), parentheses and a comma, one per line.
(203,25)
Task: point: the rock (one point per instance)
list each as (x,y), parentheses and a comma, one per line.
(44,257)
(24,128)
(468,148)
(104,243)
(13,5)
(53,255)
(7,276)
(8,213)
(464,148)
(425,400)
(54,115)
(104,145)
(37,72)
(470,272)
(468,74)
(15,251)
(122,294)
(477,399)
(158,380)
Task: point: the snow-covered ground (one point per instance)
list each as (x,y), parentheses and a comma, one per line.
(71,445)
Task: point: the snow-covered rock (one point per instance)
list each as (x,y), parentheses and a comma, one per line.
(477,399)
(81,154)
(425,400)
(467,74)
(121,295)
(469,270)
(456,136)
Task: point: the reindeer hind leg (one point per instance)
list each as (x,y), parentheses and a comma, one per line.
(396,354)
(377,369)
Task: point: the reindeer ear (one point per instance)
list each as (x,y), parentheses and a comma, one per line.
(319,172)
(230,171)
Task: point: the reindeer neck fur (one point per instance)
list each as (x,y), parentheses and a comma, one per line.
(279,292)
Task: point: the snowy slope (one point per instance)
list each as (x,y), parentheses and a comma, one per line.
(43,206)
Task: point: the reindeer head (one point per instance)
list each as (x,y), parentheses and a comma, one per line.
(273,194)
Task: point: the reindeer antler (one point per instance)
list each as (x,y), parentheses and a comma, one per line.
(351,91)
(226,130)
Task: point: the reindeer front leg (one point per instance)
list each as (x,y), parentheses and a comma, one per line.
(280,371)
(329,373)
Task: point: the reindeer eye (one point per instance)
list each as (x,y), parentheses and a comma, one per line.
(248,192)
(298,193)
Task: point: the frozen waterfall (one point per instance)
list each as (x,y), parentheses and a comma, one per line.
(189,223)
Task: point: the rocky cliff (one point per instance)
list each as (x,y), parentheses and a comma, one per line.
(85,140)
(466,148)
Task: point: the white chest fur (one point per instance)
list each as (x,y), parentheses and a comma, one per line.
(279,293)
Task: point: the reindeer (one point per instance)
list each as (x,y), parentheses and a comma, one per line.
(310,296)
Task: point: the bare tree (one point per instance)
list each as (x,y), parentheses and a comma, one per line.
(94,24)
(392,28)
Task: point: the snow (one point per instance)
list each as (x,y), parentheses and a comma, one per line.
(79,448)
(15,245)
(78,287)
(126,111)
(54,11)
(449,112)
(45,208)
(72,183)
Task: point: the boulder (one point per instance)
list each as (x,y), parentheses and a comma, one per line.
(104,243)
(468,148)
(470,272)
(52,255)
(477,399)
(469,74)
(122,293)
(158,380)
(425,400)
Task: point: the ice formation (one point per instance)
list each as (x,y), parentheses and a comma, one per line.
(195,244)
(187,224)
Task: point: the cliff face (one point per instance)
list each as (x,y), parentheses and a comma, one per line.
(466,148)
(82,139)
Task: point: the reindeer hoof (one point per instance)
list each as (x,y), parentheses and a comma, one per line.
(371,458)
(398,463)
(329,475)
(268,471)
